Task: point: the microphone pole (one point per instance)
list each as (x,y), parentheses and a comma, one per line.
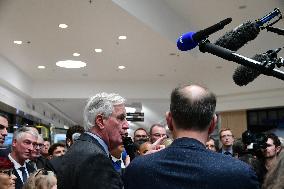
(206,46)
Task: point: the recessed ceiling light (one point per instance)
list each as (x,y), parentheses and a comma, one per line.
(98,50)
(121,67)
(18,42)
(71,64)
(76,54)
(41,67)
(122,37)
(63,26)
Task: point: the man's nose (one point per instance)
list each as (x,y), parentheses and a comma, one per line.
(4,132)
(125,125)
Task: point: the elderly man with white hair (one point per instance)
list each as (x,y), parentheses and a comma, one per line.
(87,163)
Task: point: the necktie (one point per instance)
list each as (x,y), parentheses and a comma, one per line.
(117,165)
(227,153)
(24,174)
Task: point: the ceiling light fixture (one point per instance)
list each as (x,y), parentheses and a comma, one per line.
(122,37)
(76,54)
(41,67)
(18,42)
(71,64)
(98,50)
(121,67)
(63,26)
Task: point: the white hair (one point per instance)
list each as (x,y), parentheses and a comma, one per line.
(19,133)
(101,103)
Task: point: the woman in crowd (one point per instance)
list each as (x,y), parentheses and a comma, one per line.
(41,179)
(7,178)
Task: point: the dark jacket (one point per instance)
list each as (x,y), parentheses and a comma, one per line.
(187,164)
(86,165)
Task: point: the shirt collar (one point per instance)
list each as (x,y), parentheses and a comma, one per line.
(104,145)
(16,164)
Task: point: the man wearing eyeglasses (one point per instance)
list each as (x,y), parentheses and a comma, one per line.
(23,144)
(87,163)
(227,140)
(186,163)
(157,131)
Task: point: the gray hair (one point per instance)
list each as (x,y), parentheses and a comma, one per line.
(21,131)
(101,103)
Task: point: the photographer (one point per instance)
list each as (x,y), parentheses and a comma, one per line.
(249,150)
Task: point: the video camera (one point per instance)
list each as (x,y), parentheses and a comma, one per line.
(254,141)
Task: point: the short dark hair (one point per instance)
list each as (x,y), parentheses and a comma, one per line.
(140,128)
(275,139)
(53,147)
(74,129)
(192,112)
(4,115)
(155,125)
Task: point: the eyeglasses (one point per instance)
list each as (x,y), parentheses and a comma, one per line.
(7,171)
(224,136)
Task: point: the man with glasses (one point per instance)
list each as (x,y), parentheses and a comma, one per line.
(227,140)
(157,131)
(87,163)
(36,159)
(140,134)
(23,144)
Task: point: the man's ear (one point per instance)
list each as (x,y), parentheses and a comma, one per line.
(100,121)
(14,142)
(213,124)
(278,149)
(169,119)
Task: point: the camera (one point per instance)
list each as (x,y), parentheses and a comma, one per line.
(254,141)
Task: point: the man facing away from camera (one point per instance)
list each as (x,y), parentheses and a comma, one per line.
(87,163)
(186,163)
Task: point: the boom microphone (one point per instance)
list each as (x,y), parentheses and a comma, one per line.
(190,40)
(246,32)
(244,75)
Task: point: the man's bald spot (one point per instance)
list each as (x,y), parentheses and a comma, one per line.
(193,92)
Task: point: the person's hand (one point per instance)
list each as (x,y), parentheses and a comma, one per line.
(157,146)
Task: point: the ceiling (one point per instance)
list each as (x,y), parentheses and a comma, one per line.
(149,53)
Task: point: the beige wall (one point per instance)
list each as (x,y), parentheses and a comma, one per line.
(235,120)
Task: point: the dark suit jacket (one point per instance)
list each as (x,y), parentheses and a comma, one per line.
(19,183)
(187,164)
(86,165)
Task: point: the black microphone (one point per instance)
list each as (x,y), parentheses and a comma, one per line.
(190,40)
(246,32)
(243,75)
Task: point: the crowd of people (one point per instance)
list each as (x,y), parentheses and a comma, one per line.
(101,154)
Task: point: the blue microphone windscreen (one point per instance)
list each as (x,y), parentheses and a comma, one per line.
(186,42)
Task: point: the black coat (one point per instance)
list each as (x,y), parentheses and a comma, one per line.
(86,165)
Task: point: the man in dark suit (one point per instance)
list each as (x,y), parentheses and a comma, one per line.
(186,163)
(24,142)
(87,163)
